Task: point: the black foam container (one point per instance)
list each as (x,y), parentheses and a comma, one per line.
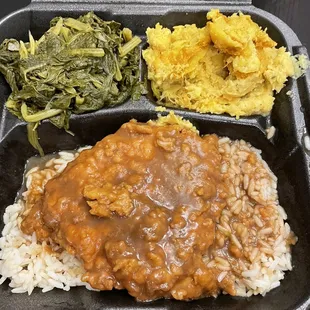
(285,153)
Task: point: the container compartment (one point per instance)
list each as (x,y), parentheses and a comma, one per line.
(36,18)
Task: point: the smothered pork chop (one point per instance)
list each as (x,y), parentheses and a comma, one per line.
(139,209)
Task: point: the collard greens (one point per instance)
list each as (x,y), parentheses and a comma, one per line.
(78,65)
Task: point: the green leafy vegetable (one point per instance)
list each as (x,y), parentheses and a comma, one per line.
(33,137)
(127,34)
(78,65)
(39,116)
(129,46)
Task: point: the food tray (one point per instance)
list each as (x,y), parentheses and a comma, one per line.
(285,152)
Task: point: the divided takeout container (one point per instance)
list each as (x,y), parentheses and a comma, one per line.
(285,152)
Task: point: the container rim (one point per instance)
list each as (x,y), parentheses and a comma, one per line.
(213,2)
(228,5)
(126,6)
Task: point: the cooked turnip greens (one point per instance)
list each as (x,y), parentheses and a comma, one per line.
(78,65)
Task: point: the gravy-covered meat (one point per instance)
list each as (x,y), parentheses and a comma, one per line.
(140,209)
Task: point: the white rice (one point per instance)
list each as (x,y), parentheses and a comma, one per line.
(256,185)
(28,264)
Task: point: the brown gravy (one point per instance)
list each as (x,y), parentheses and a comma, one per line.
(139,209)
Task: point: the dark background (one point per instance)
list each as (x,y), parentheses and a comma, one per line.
(294,12)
